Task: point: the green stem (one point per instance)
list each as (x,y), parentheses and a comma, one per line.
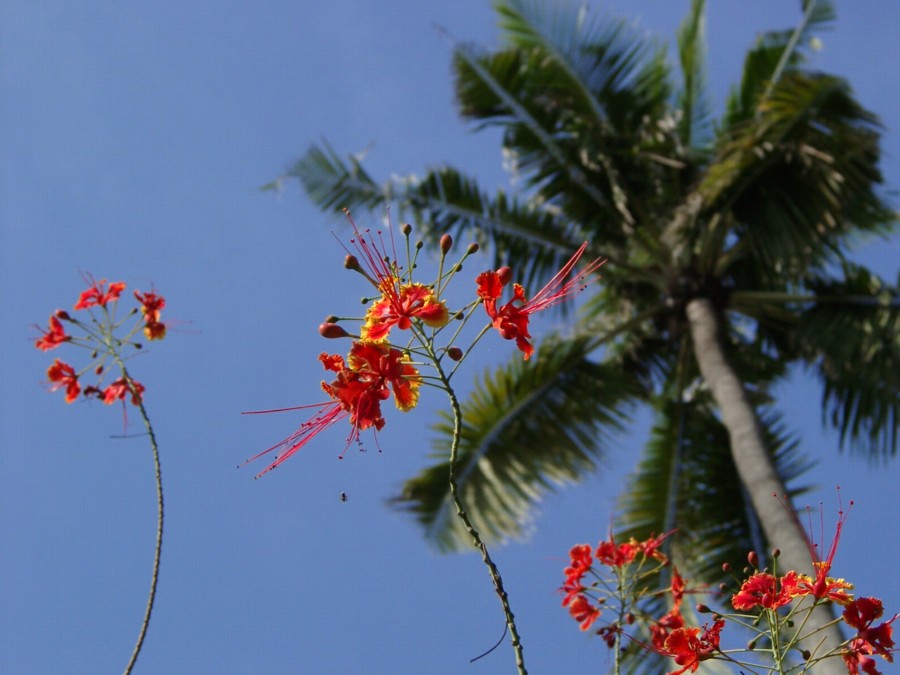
(154,577)
(470,528)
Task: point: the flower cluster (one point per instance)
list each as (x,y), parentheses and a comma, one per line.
(622,577)
(398,333)
(97,333)
(776,602)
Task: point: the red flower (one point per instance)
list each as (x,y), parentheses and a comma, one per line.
(399,305)
(511,320)
(861,614)
(581,564)
(54,336)
(661,629)
(96,295)
(583,611)
(689,650)
(613,555)
(764,590)
(64,376)
(121,388)
(400,302)
(823,586)
(372,372)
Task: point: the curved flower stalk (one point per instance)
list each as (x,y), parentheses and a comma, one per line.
(107,339)
(405,341)
(773,608)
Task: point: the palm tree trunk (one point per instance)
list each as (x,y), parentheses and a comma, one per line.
(755,467)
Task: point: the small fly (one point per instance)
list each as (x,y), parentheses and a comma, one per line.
(343,496)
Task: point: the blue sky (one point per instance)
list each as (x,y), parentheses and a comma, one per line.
(134,139)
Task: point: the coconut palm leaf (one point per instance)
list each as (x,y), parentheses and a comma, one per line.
(793,185)
(695,125)
(527,428)
(775,53)
(686,481)
(850,336)
(572,95)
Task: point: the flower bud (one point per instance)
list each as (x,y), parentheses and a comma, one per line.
(351,263)
(776,552)
(63,314)
(703,609)
(726,567)
(505,274)
(805,654)
(753,559)
(473,247)
(751,645)
(446,243)
(455,353)
(419,244)
(331,318)
(332,330)
(629,618)
(406,229)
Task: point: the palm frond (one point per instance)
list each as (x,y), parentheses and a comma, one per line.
(334,184)
(851,336)
(527,428)
(575,98)
(688,481)
(534,241)
(695,123)
(799,180)
(775,53)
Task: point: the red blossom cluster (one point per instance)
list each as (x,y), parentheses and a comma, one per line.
(376,366)
(761,592)
(97,336)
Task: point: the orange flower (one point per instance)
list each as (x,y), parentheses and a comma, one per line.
(53,337)
(96,295)
(64,376)
(511,320)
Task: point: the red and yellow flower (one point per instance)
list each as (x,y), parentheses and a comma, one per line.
(151,306)
(371,373)
(399,305)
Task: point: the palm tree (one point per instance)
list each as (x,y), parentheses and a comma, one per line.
(726,243)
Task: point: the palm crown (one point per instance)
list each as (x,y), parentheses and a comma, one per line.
(725,238)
